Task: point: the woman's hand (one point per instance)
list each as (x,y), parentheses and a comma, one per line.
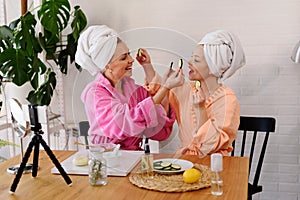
(143,57)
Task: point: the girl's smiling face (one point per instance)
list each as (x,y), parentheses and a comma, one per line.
(198,67)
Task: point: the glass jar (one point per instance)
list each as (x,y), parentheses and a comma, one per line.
(97,168)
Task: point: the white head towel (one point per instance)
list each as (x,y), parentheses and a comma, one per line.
(223,53)
(96,46)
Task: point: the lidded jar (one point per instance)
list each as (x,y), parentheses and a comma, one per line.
(97,167)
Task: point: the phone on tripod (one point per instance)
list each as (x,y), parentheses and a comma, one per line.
(34,144)
(33,116)
(35,126)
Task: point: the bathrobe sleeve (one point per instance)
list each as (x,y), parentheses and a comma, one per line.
(137,117)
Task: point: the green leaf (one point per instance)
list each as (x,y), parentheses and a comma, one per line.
(38,69)
(15,65)
(6,143)
(32,97)
(43,95)
(25,36)
(71,47)
(14,24)
(79,23)
(49,43)
(54,15)
(6,35)
(63,61)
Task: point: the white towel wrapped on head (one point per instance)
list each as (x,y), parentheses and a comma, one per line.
(96,46)
(223,53)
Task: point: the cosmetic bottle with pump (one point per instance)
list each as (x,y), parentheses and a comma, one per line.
(147,161)
(216,179)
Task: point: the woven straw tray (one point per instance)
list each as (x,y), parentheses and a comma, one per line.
(172,183)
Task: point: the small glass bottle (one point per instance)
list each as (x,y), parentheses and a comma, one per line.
(97,168)
(147,162)
(216,179)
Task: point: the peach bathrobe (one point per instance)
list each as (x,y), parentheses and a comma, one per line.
(218,120)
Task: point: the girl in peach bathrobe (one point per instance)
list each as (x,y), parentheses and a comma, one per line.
(207,112)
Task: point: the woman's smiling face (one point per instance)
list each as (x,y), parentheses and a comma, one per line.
(198,67)
(121,62)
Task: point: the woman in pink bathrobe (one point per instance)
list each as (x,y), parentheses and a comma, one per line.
(208,112)
(120,111)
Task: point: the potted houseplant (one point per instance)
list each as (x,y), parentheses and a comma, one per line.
(25,51)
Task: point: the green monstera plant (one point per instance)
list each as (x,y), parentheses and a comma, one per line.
(29,43)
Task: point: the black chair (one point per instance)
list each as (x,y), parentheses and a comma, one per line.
(83,131)
(251,126)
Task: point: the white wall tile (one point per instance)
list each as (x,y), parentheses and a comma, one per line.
(289,187)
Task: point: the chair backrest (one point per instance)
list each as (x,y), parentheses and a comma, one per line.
(251,126)
(83,131)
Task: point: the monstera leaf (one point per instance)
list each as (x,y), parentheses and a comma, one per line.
(6,35)
(14,65)
(43,94)
(54,15)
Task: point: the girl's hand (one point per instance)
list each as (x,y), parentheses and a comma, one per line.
(168,73)
(198,97)
(175,79)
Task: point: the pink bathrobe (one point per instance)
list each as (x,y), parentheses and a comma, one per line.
(124,118)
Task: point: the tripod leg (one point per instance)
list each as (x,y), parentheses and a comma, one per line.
(56,163)
(36,155)
(22,166)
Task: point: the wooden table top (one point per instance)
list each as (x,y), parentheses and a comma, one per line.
(48,186)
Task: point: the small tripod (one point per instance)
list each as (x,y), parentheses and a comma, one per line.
(35,142)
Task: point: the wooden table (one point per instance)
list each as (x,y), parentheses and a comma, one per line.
(53,187)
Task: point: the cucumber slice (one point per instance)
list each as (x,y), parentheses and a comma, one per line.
(158,167)
(166,164)
(197,85)
(139,53)
(158,163)
(180,63)
(176,167)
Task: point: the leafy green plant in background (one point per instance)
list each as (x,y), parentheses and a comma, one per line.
(6,143)
(23,47)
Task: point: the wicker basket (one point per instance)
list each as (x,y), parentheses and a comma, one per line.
(171,183)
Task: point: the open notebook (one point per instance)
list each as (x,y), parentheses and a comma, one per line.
(128,161)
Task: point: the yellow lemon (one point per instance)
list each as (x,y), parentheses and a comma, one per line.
(191,175)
